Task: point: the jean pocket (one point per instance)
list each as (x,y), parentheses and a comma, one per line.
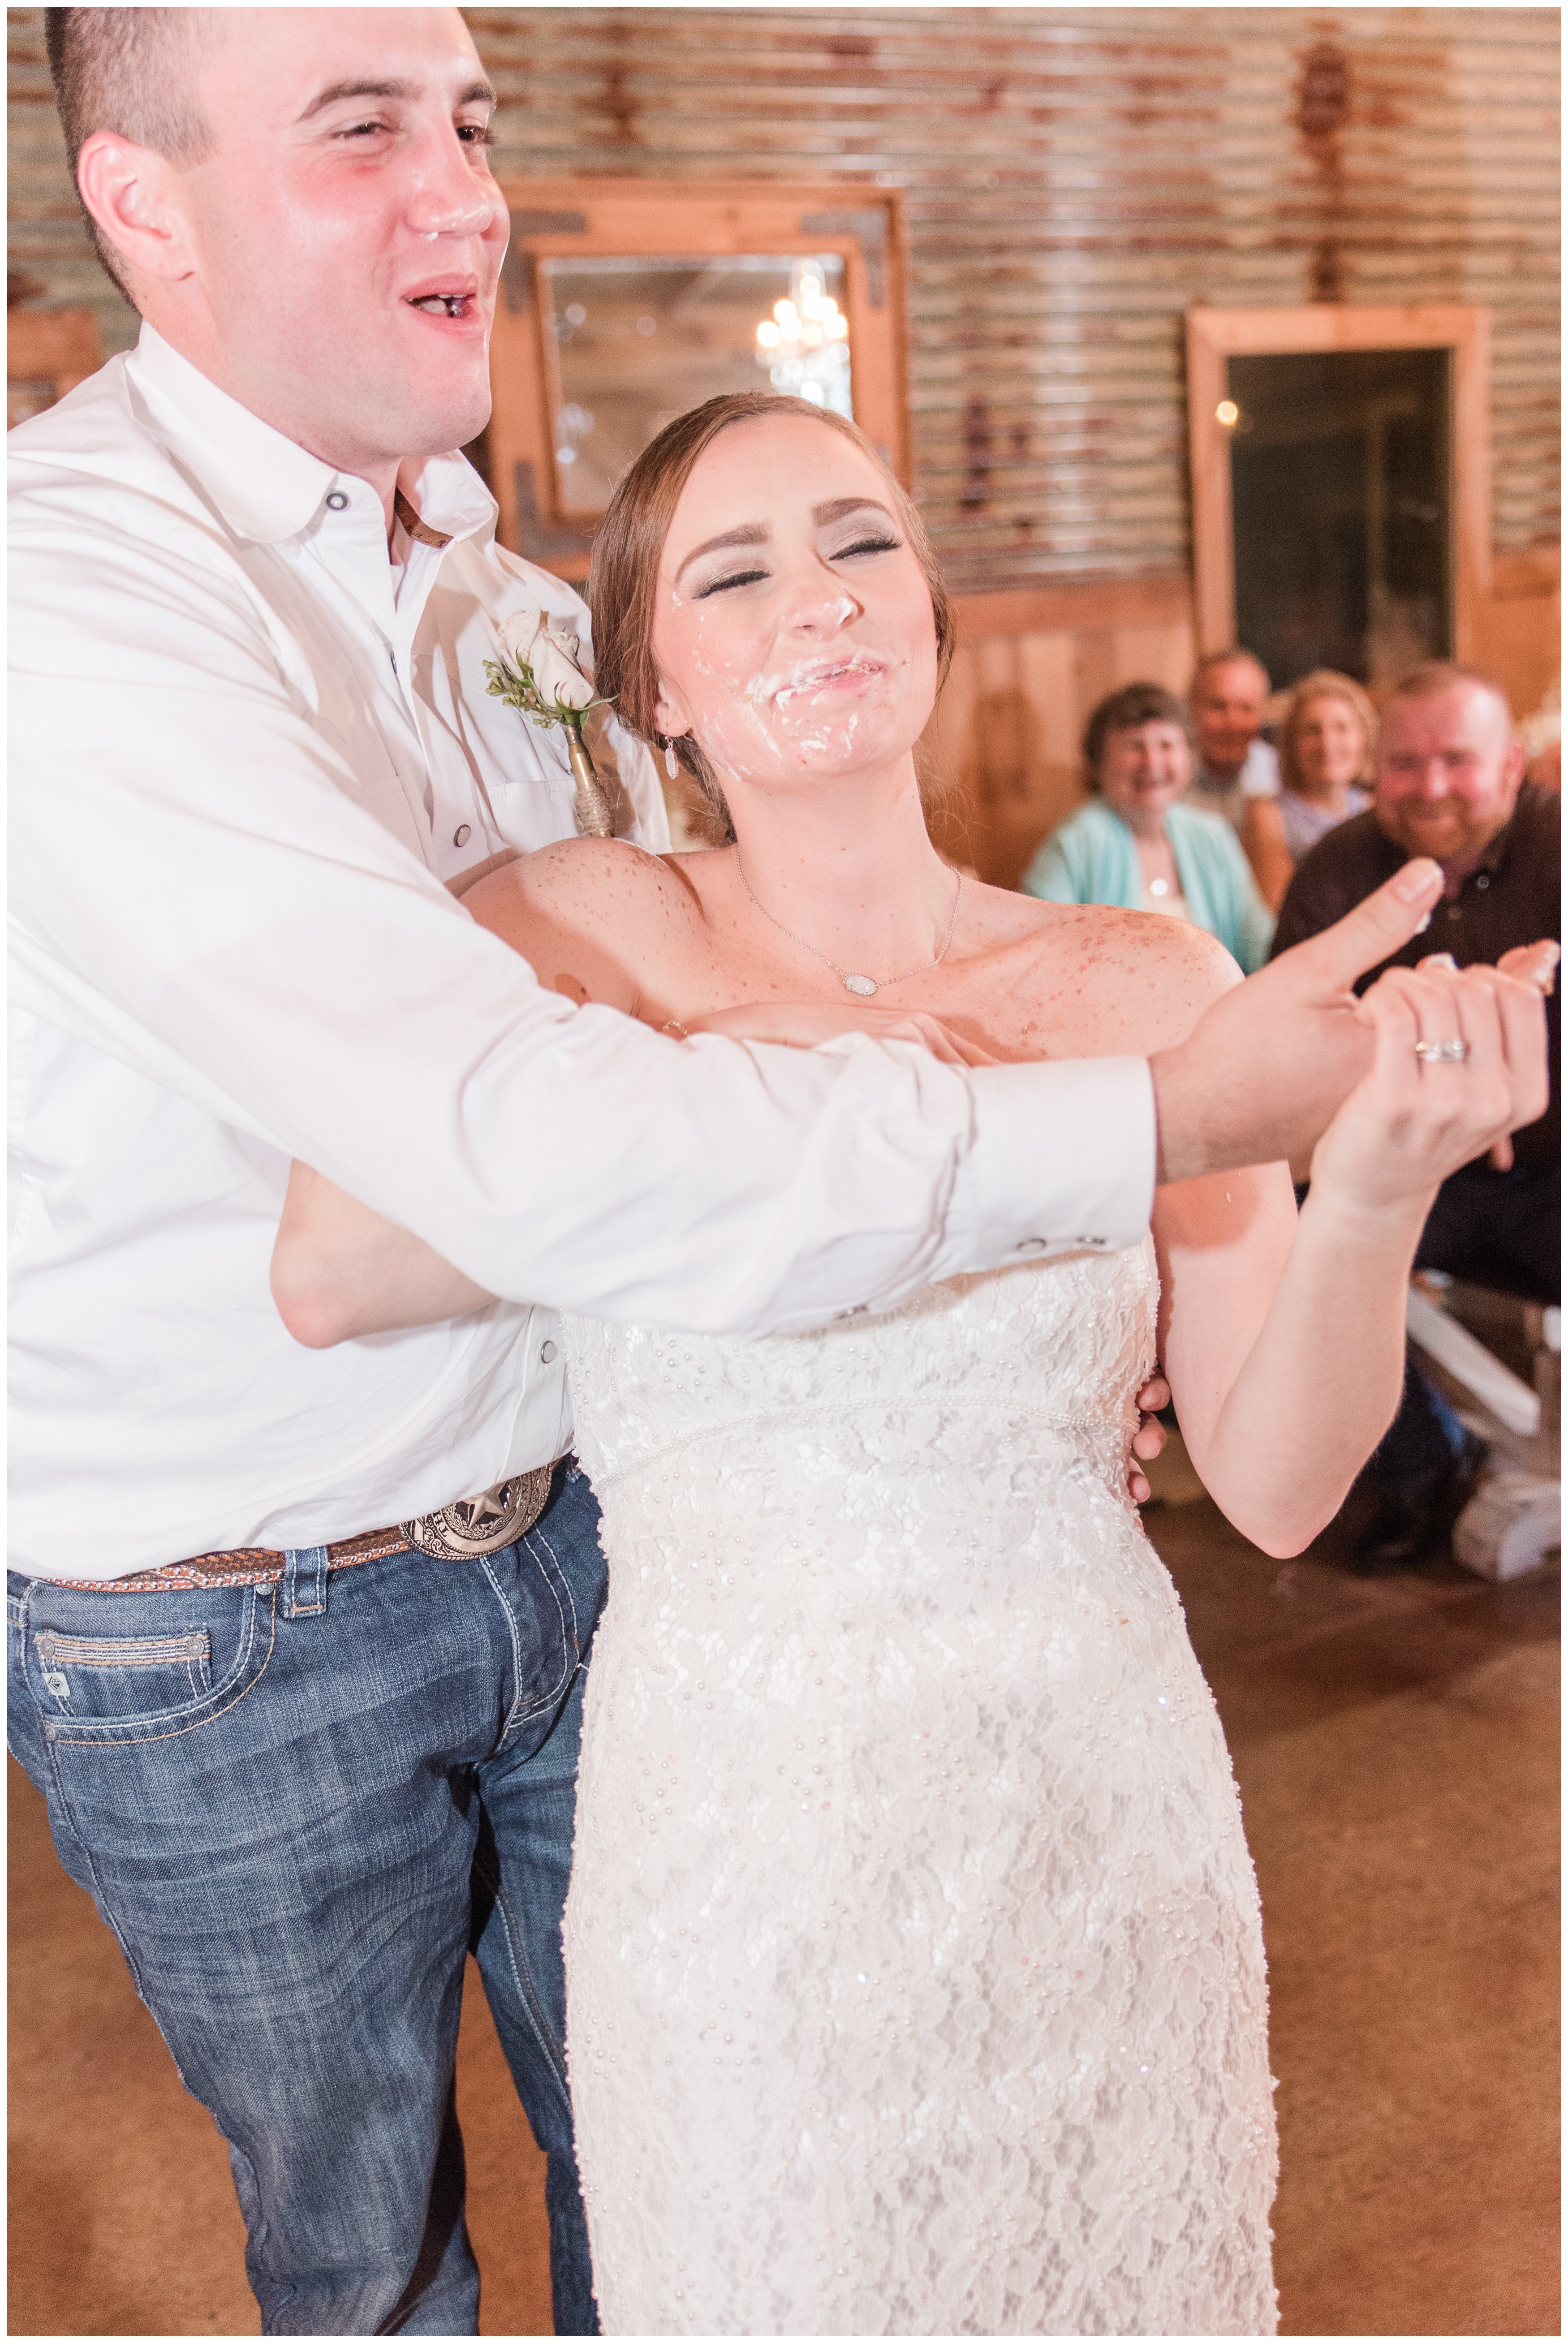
(115,1676)
(102,1689)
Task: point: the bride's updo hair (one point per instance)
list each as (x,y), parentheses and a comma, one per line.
(623,583)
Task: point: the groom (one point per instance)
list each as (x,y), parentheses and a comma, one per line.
(296,1636)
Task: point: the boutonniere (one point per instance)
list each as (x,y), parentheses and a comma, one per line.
(537,673)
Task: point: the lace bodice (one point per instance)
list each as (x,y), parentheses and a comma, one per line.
(1003,1355)
(914,1965)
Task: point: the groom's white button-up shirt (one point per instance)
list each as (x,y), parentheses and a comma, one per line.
(246,750)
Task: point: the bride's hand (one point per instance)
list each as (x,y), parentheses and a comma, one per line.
(1149,1437)
(1411,1122)
(801,1024)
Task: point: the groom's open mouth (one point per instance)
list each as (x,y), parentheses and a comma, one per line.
(452,297)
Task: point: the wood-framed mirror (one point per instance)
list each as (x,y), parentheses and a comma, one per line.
(626,301)
(1340,484)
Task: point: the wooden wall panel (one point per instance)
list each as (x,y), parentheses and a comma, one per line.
(1073,180)
(1027,670)
(1519,636)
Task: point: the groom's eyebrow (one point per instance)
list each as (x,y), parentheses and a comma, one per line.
(752,532)
(478,93)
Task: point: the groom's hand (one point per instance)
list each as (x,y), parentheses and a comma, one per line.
(1262,1074)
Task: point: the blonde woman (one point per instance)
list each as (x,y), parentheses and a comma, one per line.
(1326,741)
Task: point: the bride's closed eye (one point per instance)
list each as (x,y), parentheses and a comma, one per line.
(731,578)
(846,535)
(882,542)
(861,536)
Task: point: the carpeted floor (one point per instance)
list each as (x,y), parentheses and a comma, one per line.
(1396,1745)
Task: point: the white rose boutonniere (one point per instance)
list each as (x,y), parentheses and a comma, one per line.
(538,674)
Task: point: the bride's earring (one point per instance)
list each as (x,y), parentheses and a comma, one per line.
(672,762)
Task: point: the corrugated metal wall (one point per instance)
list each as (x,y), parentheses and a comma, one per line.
(1074,178)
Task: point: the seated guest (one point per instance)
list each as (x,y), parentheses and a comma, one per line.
(1135,847)
(1326,739)
(1449,783)
(1227,695)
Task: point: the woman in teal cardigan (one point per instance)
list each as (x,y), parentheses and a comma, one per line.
(1133,845)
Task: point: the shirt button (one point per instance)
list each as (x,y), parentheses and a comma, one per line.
(462,834)
(1454,911)
(1483,881)
(1032,1244)
(547,1353)
(337,501)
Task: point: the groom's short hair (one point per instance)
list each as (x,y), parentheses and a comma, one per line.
(129,70)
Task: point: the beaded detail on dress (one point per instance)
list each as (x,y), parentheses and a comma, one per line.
(915,1973)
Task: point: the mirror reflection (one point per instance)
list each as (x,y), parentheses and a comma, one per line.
(638,341)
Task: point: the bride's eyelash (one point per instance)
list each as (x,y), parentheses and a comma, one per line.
(721,585)
(880,543)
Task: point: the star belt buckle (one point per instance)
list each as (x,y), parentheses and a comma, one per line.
(482,1525)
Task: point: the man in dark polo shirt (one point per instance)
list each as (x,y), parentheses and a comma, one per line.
(1449,784)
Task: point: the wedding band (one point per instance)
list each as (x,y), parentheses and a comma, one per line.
(1442,1053)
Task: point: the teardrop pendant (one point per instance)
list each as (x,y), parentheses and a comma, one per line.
(864,985)
(672,762)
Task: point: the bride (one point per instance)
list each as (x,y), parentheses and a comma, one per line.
(916,1980)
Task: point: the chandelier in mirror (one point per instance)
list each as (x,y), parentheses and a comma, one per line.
(624,302)
(636,339)
(804,346)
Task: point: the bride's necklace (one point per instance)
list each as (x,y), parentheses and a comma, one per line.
(864,985)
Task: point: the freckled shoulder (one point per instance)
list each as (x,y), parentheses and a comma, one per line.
(1170,970)
(1125,980)
(592,916)
(590,884)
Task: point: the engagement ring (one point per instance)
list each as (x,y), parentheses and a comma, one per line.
(1442,1053)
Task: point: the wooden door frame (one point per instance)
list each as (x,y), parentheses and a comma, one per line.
(1214,335)
(651,219)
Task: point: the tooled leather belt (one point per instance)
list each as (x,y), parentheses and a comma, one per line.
(463,1532)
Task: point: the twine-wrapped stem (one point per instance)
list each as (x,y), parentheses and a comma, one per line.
(595,818)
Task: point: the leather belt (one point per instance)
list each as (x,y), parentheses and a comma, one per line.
(473,1527)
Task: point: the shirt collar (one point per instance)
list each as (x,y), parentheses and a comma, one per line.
(268,488)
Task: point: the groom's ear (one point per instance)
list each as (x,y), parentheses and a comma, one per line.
(134,196)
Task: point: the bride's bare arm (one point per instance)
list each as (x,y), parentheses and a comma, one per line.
(1283,1337)
(338,1268)
(585,915)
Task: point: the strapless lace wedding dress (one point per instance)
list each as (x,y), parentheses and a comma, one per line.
(914,1969)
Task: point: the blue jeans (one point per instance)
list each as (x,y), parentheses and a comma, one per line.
(298,1807)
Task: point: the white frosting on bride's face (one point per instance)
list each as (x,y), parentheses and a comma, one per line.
(793,633)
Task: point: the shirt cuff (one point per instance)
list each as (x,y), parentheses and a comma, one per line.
(1062,1160)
